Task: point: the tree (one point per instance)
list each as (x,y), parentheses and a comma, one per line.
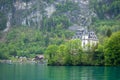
(69,53)
(112,50)
(62,54)
(74,52)
(109,32)
(3,21)
(99,55)
(50,53)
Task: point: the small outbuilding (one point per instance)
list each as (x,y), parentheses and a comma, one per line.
(39,57)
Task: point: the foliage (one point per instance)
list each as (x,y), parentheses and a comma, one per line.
(112,50)
(106,9)
(50,52)
(53,38)
(108,33)
(7,3)
(49,1)
(67,6)
(59,17)
(3,21)
(104,28)
(69,53)
(51,24)
(25,41)
(98,55)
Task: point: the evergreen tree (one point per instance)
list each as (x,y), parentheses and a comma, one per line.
(109,32)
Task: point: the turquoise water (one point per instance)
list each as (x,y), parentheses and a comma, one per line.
(43,72)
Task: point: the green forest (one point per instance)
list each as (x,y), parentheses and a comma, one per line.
(53,39)
(71,53)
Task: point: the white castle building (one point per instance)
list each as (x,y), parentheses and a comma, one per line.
(86,37)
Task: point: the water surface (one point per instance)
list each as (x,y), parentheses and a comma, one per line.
(43,72)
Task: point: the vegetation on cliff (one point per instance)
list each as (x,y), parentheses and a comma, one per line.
(54,39)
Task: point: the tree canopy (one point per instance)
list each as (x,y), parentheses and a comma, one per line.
(112,50)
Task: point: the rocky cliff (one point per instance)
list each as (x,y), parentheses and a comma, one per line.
(33,12)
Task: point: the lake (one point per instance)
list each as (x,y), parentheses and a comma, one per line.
(29,71)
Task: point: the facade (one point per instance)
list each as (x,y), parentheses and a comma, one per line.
(86,37)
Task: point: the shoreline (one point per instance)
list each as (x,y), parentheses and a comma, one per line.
(18,61)
(44,62)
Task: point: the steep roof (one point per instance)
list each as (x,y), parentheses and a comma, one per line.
(84,34)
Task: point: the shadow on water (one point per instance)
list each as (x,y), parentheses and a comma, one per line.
(42,72)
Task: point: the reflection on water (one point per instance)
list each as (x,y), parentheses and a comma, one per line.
(43,72)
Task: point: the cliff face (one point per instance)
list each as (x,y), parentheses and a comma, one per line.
(32,12)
